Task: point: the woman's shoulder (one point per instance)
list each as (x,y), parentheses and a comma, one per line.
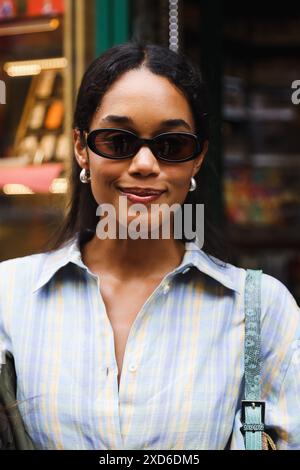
(275,295)
(280,333)
(21,265)
(277,299)
(274,292)
(17,279)
(19,274)
(280,327)
(32,263)
(25,273)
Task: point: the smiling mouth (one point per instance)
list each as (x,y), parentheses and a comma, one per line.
(137,195)
(142,192)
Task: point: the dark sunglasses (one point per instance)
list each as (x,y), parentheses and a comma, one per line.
(117,144)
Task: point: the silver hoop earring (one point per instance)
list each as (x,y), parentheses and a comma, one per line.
(193,185)
(85,176)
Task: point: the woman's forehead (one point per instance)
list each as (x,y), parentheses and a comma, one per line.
(140,93)
(144,83)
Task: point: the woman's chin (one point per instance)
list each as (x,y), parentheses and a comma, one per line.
(142,226)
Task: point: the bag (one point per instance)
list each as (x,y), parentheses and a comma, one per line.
(253,408)
(13,434)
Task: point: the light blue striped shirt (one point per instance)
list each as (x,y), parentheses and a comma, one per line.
(182,375)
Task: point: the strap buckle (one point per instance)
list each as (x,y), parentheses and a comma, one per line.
(253,427)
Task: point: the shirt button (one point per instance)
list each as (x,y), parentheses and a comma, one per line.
(132,367)
(185,270)
(166,288)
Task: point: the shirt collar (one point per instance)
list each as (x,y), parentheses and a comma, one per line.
(222,272)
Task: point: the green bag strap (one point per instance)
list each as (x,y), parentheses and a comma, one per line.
(253,408)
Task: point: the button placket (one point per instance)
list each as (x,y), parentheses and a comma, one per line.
(108,384)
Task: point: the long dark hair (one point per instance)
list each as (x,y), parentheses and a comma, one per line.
(101,74)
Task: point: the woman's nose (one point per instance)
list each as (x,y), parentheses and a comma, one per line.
(144,162)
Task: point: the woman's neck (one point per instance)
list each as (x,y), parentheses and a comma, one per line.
(130,259)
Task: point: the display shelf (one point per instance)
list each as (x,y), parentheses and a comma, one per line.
(16,11)
(261,102)
(49,52)
(263,160)
(28,222)
(34,137)
(261,129)
(240,48)
(40,205)
(41,146)
(19,37)
(263,114)
(24,19)
(262,236)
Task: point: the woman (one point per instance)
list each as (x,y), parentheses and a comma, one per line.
(137,343)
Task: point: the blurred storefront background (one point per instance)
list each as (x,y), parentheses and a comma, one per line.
(249,55)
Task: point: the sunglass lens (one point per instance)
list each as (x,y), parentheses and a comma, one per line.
(175,146)
(115,144)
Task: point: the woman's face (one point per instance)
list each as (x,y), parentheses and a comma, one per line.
(145,104)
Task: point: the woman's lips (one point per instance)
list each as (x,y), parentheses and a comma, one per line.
(140,198)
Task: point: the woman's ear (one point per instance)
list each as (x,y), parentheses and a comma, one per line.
(199,160)
(80,149)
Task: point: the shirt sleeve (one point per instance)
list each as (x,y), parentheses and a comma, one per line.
(280,372)
(6,298)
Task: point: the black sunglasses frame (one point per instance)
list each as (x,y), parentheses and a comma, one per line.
(90,139)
